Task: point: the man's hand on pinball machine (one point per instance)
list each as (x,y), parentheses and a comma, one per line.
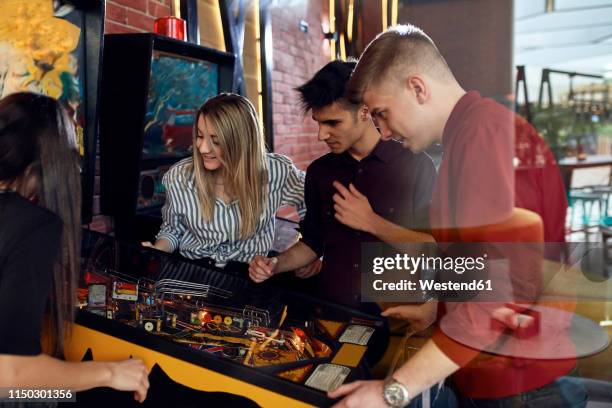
(309,270)
(360,394)
(419,316)
(262,268)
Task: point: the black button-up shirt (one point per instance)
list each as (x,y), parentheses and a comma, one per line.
(398,185)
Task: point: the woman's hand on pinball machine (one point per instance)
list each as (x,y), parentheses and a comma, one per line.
(360,394)
(309,270)
(130,375)
(160,244)
(262,268)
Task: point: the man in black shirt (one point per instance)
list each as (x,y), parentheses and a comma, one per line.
(359,160)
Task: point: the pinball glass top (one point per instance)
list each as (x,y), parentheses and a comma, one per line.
(219,314)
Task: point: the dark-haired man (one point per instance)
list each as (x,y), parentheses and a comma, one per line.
(358,160)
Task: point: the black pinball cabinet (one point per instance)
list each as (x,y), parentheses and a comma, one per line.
(216,333)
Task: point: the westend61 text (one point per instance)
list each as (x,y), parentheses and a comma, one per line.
(431,285)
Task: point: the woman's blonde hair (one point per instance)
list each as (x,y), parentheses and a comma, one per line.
(245,168)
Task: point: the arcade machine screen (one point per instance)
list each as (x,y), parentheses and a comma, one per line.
(177,88)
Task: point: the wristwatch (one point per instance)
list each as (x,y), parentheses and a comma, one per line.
(396,394)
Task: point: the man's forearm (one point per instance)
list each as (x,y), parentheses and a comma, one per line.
(426,368)
(297,256)
(395,234)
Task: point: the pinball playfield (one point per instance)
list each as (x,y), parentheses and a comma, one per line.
(211,330)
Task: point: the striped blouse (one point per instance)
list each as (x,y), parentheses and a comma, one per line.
(195,238)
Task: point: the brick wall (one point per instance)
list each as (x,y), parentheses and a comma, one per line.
(297,56)
(133,16)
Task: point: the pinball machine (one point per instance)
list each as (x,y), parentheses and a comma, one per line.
(216,331)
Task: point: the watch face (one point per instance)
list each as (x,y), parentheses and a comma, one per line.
(394,395)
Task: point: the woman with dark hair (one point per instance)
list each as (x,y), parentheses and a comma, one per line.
(40,215)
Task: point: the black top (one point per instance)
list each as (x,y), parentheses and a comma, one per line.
(398,185)
(29,245)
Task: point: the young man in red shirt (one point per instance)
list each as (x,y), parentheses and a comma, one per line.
(414,97)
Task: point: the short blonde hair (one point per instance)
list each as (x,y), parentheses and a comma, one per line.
(400,51)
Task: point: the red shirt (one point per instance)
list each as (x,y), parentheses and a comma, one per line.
(538,184)
(476,177)
(476,187)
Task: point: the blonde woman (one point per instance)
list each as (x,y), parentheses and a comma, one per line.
(221,202)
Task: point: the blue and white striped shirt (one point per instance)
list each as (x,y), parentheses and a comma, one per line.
(195,238)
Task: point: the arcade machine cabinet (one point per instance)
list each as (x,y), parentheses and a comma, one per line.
(216,332)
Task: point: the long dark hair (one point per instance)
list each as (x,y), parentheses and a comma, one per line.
(37,137)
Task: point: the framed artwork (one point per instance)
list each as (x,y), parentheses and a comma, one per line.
(54,47)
